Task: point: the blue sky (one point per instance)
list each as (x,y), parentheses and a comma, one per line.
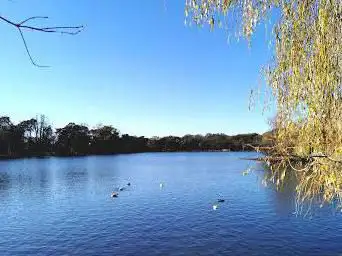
(136,66)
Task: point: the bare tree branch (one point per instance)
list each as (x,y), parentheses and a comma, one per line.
(33,18)
(69,30)
(28,51)
(294,157)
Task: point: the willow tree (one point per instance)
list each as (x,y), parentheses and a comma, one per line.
(305,78)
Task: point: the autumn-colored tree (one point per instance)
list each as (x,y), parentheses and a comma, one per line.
(305,78)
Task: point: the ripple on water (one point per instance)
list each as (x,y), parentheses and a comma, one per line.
(61,206)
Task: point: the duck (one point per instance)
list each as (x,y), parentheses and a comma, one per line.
(215,206)
(121,189)
(114,194)
(128,184)
(220,200)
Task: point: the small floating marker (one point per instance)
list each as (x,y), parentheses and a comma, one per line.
(215,206)
(245,173)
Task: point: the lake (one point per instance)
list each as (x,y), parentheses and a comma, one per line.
(63,206)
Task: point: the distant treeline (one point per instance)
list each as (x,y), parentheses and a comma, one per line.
(35,137)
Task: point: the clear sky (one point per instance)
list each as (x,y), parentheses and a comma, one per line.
(136,66)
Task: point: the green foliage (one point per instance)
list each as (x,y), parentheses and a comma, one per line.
(35,137)
(73,139)
(30,137)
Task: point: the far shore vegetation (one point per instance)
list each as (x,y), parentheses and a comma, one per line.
(36,138)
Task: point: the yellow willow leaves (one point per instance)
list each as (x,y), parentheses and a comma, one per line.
(305,77)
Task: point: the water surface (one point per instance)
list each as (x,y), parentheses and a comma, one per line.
(62,206)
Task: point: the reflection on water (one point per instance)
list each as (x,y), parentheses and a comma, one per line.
(62,206)
(283,198)
(4,181)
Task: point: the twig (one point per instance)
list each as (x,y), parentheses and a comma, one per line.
(321,155)
(32,18)
(300,170)
(69,30)
(28,52)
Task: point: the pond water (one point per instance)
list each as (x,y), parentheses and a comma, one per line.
(63,206)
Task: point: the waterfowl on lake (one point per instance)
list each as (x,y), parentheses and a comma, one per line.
(215,206)
(121,189)
(161,185)
(114,194)
(220,200)
(128,184)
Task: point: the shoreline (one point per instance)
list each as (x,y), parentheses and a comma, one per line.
(6,158)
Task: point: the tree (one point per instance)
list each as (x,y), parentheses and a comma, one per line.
(133,144)
(153,144)
(41,135)
(105,140)
(305,78)
(5,135)
(27,138)
(73,139)
(28,127)
(169,143)
(190,142)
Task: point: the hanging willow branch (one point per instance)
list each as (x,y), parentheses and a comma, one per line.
(305,79)
(21,26)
